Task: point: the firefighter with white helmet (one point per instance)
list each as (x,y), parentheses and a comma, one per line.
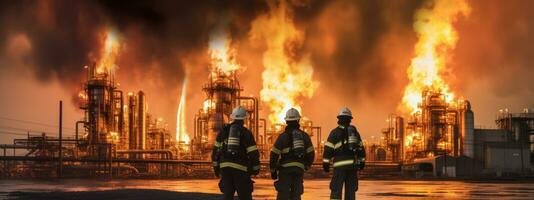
(235,157)
(291,155)
(344,148)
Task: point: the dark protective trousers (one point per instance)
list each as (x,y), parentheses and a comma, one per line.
(233,180)
(348,177)
(289,184)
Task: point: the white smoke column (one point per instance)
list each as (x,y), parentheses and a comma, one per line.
(181,131)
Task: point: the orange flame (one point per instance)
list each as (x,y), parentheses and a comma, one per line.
(223,57)
(181,131)
(285,80)
(437,37)
(108,53)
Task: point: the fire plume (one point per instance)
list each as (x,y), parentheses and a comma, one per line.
(285,79)
(108,52)
(437,37)
(181,131)
(223,57)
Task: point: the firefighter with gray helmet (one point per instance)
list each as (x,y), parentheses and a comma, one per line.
(291,155)
(344,148)
(235,157)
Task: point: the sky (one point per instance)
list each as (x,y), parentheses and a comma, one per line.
(359,52)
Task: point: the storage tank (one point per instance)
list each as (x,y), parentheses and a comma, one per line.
(469,131)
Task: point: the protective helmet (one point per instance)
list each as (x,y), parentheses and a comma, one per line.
(292,115)
(239,113)
(345,112)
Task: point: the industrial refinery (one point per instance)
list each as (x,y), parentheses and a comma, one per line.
(440,139)
(120,138)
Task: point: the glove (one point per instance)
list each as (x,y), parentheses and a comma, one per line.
(274,175)
(326,167)
(216,170)
(362,165)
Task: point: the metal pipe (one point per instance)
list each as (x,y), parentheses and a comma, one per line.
(264,131)
(151,151)
(60,161)
(121,116)
(256,109)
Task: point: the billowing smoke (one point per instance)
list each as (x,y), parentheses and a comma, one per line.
(359,50)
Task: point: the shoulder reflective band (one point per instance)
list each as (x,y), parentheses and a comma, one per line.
(257,167)
(218,144)
(234,165)
(293,164)
(252,148)
(343,163)
(333,146)
(275,150)
(233,141)
(309,150)
(326,160)
(215,164)
(341,127)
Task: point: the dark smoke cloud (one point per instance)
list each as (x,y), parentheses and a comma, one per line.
(64,33)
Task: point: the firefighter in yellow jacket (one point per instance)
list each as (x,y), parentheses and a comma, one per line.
(235,157)
(345,148)
(291,155)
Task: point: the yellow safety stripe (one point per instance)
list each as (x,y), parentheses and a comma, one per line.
(285,150)
(257,167)
(329,144)
(333,146)
(215,164)
(326,160)
(275,150)
(338,145)
(234,165)
(252,148)
(218,144)
(343,163)
(309,149)
(293,164)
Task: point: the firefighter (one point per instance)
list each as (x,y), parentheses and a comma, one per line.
(291,155)
(235,157)
(345,148)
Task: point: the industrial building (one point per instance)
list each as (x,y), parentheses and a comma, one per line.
(441,140)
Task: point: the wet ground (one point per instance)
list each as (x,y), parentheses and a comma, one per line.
(314,189)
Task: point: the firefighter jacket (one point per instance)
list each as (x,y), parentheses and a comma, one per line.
(283,154)
(247,157)
(336,148)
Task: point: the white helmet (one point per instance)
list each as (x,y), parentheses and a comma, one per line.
(345,112)
(239,113)
(292,115)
